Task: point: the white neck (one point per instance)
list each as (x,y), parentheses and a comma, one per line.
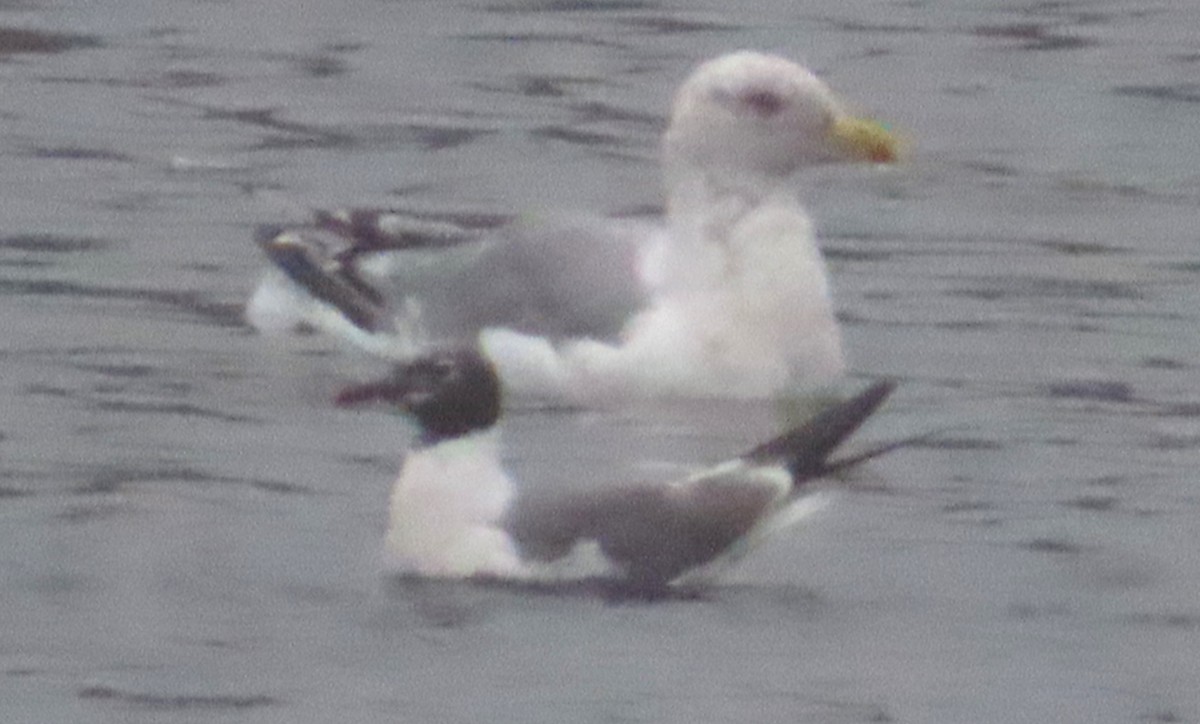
(702,210)
(693,189)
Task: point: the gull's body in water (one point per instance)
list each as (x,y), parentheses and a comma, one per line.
(454,511)
(727,296)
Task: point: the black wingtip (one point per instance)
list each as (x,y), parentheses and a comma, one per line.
(305,262)
(807,448)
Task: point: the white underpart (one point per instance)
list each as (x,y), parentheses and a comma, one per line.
(445,511)
(742,315)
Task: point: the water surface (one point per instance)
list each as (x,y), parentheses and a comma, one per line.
(190,530)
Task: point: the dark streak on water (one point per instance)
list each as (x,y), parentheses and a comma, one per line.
(532,38)
(50,244)
(17,41)
(1034,36)
(228,314)
(115,480)
(181,702)
(570,6)
(1180,93)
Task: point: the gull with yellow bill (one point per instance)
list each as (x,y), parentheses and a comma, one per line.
(725,296)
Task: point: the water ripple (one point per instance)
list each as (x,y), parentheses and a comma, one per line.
(177,702)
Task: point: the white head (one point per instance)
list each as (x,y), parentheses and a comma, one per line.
(747,114)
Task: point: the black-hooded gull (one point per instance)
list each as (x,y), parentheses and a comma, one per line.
(726,297)
(454,512)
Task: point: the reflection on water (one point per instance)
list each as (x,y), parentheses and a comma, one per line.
(192,530)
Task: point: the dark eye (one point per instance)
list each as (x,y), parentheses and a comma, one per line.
(443,368)
(761,102)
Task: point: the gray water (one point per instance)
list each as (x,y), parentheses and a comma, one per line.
(190,530)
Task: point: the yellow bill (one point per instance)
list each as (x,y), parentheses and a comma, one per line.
(866,140)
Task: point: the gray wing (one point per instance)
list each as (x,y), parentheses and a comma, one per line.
(653,533)
(551,277)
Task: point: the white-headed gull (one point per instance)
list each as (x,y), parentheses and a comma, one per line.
(726,296)
(454,512)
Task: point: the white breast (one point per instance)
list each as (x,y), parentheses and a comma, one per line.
(445,509)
